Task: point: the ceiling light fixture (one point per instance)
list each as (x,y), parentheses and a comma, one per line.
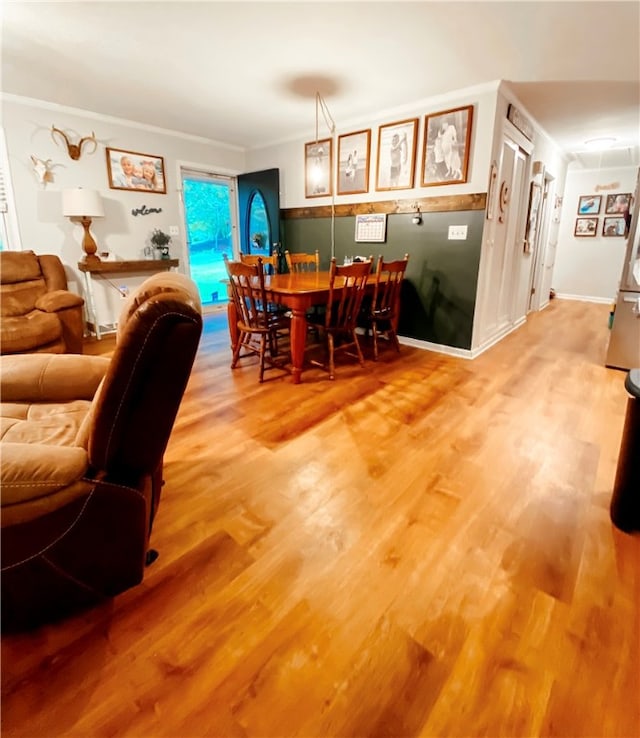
(600,143)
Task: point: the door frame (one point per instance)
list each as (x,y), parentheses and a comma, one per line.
(220,172)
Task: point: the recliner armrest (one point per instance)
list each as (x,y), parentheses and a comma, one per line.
(50,377)
(33,470)
(52,302)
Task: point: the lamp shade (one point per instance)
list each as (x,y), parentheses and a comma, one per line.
(80,203)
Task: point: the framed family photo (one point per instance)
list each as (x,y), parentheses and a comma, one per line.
(130,170)
(317,168)
(589,204)
(586,227)
(618,204)
(447,141)
(614,226)
(353,162)
(396,155)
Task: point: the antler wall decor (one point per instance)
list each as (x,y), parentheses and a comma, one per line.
(74,149)
(42,169)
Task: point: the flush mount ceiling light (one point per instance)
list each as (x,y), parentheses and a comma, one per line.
(601,143)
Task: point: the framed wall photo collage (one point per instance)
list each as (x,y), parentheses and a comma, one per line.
(446,148)
(616,211)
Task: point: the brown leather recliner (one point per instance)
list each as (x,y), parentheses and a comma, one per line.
(37,311)
(83,439)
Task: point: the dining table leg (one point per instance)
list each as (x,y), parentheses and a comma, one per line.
(298,332)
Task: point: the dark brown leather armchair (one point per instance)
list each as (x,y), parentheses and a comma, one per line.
(37,311)
(83,439)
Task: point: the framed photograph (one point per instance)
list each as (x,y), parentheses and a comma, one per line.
(317,168)
(586,227)
(618,204)
(535,198)
(396,155)
(589,204)
(447,141)
(614,226)
(130,170)
(353,162)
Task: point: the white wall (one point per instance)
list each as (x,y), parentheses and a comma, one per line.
(288,156)
(27,125)
(589,268)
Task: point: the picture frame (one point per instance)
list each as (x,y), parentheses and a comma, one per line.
(535,200)
(618,204)
(589,204)
(614,225)
(136,172)
(318,168)
(447,145)
(353,162)
(586,227)
(396,155)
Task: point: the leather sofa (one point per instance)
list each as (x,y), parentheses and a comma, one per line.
(37,311)
(81,453)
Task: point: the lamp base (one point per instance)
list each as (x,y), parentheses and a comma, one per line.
(91,259)
(88,244)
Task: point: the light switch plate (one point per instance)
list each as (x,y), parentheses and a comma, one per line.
(457,233)
(174,231)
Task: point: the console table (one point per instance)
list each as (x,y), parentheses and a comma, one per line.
(97,268)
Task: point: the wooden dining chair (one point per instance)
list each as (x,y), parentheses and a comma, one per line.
(347,286)
(302,262)
(258,328)
(267,261)
(384,309)
(270,266)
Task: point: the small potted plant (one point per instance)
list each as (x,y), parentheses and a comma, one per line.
(161,241)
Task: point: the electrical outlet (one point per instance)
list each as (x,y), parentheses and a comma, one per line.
(174,231)
(458,233)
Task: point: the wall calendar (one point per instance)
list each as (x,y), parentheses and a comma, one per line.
(371,228)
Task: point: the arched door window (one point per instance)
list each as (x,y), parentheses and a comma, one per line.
(259,230)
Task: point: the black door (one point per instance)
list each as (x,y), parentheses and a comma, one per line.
(259,212)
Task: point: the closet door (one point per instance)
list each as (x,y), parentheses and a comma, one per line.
(502,256)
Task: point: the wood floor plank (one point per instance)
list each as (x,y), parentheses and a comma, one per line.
(422,548)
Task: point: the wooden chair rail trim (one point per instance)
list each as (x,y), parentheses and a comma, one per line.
(442,204)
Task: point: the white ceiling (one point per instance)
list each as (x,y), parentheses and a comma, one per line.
(246,73)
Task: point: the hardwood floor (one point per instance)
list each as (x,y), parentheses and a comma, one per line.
(419,549)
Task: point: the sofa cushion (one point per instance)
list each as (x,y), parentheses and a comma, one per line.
(20,298)
(19,266)
(53,423)
(30,331)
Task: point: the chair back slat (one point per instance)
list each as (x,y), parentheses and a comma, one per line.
(302,262)
(386,295)
(248,293)
(343,308)
(269,263)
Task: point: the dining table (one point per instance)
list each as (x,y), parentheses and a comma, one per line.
(299,292)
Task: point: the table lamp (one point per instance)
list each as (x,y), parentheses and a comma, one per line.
(83,205)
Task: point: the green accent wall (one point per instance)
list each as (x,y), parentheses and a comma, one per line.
(439,292)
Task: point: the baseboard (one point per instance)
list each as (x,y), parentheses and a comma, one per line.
(437,347)
(585,298)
